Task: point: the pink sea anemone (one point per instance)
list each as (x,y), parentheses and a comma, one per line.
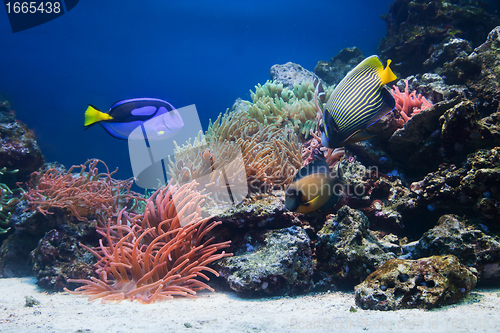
(155,255)
(409,104)
(83,193)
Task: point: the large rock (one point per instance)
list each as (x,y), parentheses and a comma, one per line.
(480,71)
(417,145)
(18,147)
(433,87)
(472,246)
(290,74)
(54,240)
(276,262)
(472,189)
(423,283)
(333,71)
(346,251)
(447,51)
(57,258)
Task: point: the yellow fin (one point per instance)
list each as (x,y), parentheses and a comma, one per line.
(313,205)
(387,75)
(92,116)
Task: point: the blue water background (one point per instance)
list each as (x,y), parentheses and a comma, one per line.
(206,53)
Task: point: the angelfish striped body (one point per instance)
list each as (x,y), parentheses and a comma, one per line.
(358,101)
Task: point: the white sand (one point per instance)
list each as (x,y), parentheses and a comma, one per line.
(226,312)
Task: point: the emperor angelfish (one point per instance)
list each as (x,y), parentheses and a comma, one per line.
(313,188)
(358,101)
(155,115)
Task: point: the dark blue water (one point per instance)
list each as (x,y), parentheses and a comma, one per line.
(206,53)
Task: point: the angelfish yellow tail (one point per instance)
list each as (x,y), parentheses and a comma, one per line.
(92,116)
(387,75)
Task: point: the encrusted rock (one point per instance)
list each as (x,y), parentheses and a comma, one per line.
(333,71)
(346,251)
(18,147)
(380,197)
(30,228)
(464,240)
(414,27)
(433,87)
(290,74)
(472,189)
(480,71)
(273,263)
(256,211)
(443,133)
(57,258)
(447,51)
(423,283)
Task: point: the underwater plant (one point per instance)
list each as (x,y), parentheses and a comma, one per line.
(155,255)
(82,194)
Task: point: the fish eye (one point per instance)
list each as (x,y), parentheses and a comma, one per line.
(321,128)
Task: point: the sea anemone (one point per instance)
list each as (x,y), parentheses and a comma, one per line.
(155,255)
(409,103)
(83,194)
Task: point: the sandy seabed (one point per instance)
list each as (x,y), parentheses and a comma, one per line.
(226,312)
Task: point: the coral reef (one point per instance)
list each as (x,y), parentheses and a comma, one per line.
(263,131)
(278,263)
(423,283)
(271,158)
(415,28)
(155,255)
(425,163)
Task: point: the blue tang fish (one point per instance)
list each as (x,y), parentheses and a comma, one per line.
(357,102)
(157,116)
